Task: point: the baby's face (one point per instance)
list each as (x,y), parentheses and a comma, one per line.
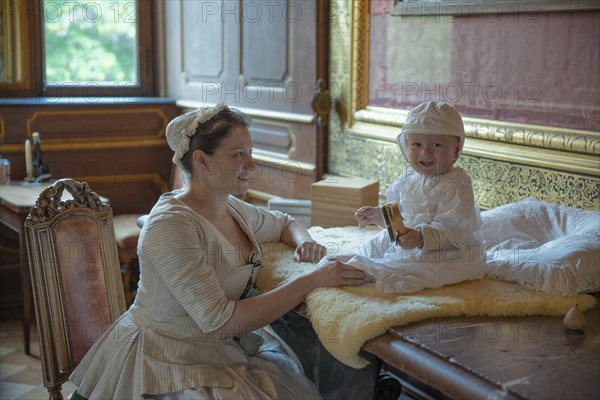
(431,155)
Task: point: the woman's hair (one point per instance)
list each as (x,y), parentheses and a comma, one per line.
(210,134)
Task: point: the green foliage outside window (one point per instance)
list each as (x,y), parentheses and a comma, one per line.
(90,41)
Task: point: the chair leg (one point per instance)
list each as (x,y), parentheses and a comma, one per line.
(55,393)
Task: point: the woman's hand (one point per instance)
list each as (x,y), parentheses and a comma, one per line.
(333,273)
(310,251)
(368,215)
(255,311)
(411,239)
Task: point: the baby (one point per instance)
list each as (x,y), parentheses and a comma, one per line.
(442,240)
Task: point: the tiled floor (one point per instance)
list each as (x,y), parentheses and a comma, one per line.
(20,375)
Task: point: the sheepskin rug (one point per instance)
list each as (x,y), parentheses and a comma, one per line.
(345,318)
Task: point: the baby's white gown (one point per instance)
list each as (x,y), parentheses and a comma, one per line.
(443,209)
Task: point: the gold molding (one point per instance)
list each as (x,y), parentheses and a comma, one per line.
(126,178)
(91,144)
(537,157)
(359,56)
(110,142)
(565,139)
(17,17)
(542,158)
(470,8)
(545,157)
(547,137)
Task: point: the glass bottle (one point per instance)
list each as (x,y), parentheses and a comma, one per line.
(40,166)
(4,171)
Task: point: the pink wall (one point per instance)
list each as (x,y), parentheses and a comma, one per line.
(532,68)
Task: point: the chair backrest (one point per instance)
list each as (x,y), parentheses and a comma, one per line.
(75,276)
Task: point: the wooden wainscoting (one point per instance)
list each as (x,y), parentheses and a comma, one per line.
(118,147)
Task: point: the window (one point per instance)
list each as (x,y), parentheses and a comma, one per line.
(76,48)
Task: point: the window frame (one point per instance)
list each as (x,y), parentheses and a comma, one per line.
(33,82)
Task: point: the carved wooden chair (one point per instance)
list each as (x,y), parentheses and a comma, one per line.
(75,276)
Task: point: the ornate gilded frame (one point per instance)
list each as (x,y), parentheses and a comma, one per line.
(470,7)
(507,161)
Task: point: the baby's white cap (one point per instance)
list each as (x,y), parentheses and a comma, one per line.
(434,118)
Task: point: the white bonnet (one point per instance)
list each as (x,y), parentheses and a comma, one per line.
(434,118)
(182,128)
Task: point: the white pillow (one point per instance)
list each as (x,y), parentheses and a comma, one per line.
(544,246)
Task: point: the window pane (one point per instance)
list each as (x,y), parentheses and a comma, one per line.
(90,41)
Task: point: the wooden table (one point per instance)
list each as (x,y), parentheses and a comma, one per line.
(16,200)
(500,358)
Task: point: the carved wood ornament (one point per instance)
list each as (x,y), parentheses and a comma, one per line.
(50,201)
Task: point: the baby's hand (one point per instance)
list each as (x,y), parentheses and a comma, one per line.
(410,239)
(368,215)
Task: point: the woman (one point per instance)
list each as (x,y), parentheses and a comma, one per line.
(193,330)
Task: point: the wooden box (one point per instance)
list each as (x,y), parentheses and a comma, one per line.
(335,199)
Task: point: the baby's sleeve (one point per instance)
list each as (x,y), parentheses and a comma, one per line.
(455,222)
(394,191)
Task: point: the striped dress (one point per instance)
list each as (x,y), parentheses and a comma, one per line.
(191,277)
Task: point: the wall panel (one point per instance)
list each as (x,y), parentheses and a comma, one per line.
(120,150)
(259,57)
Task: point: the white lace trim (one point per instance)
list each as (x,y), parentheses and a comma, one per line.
(184,135)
